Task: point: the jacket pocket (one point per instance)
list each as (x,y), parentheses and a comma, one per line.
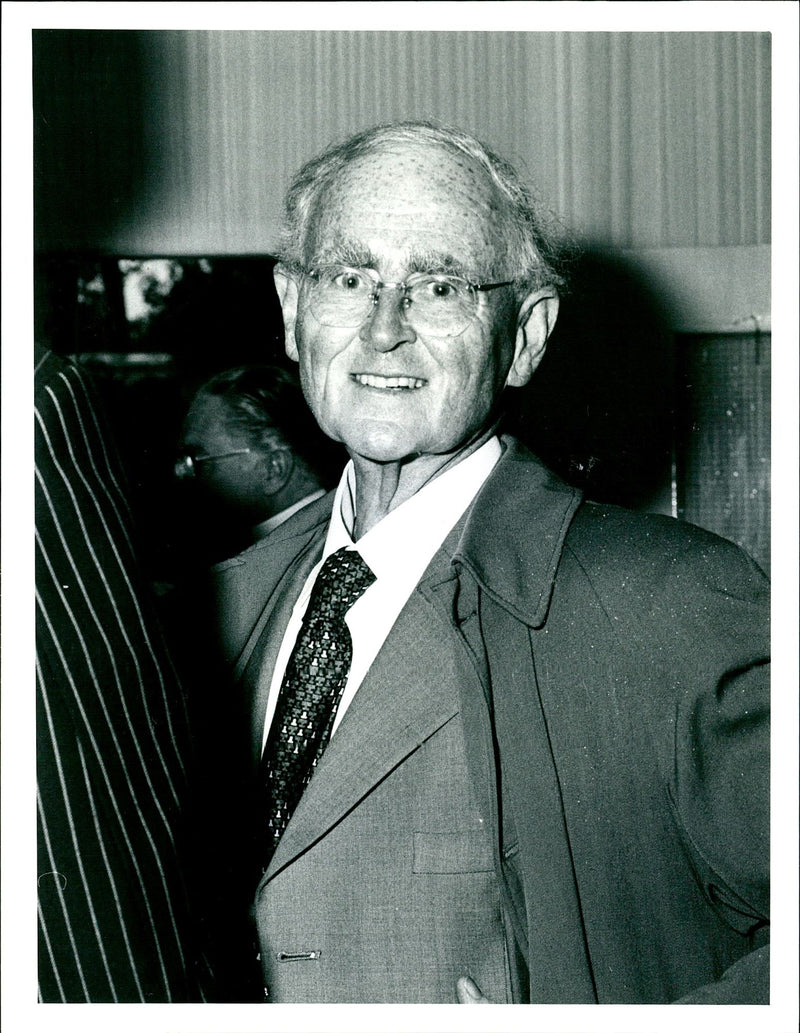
(451,853)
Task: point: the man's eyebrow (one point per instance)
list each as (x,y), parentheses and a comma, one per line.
(438,262)
(345,252)
(342,251)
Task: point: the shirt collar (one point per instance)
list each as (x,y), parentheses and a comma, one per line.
(266,526)
(402,544)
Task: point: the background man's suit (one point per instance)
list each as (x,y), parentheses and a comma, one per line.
(553,778)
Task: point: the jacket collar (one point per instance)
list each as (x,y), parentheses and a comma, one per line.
(513,535)
(312,517)
(510,540)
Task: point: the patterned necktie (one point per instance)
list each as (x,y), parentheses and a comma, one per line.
(310,691)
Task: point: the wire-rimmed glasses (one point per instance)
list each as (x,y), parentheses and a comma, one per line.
(430,303)
(186,466)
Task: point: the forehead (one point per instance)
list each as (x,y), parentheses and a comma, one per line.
(411,198)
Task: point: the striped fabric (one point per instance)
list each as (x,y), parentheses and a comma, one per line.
(112,732)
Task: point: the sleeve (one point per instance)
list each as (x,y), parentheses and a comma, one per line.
(692,617)
(112,733)
(719,777)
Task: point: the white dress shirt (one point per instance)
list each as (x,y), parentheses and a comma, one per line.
(397,550)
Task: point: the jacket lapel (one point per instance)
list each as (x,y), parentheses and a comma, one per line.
(240,588)
(399,705)
(274,618)
(512,539)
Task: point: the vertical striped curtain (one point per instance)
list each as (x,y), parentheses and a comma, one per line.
(184,142)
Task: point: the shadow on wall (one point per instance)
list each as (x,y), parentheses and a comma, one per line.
(90,134)
(600,408)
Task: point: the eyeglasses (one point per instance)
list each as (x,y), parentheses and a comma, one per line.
(431,303)
(186,466)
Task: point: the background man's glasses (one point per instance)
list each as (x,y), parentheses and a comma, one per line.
(430,303)
(186,466)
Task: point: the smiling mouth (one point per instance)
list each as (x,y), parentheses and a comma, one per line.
(388,383)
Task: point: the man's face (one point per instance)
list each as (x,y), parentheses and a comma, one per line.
(389,392)
(231,486)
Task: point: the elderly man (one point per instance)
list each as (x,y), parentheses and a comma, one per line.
(536,726)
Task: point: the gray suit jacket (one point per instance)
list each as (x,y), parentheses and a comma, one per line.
(609,677)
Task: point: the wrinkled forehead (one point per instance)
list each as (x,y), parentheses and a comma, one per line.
(411,197)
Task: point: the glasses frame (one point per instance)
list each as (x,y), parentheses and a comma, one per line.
(312,272)
(185,468)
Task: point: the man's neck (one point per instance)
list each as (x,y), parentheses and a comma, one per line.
(382,487)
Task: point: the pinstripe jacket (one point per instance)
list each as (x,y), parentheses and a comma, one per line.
(112,734)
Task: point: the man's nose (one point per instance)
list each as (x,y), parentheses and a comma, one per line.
(385,329)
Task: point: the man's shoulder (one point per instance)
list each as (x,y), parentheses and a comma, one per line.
(603,527)
(282,544)
(639,550)
(239,588)
(530,531)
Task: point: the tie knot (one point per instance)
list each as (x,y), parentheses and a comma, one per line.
(342,580)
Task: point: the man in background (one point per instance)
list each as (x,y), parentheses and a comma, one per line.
(504,743)
(251,455)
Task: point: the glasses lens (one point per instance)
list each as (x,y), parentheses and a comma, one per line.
(341,296)
(184,468)
(441,305)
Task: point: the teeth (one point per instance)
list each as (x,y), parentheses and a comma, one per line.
(371,380)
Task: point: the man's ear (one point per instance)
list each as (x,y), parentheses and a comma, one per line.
(535,322)
(286,286)
(278,466)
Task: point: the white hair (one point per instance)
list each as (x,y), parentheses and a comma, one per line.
(535,243)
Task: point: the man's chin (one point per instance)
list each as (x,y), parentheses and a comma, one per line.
(404,456)
(382,445)
(381,453)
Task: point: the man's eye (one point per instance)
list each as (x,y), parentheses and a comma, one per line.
(349,280)
(441,290)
